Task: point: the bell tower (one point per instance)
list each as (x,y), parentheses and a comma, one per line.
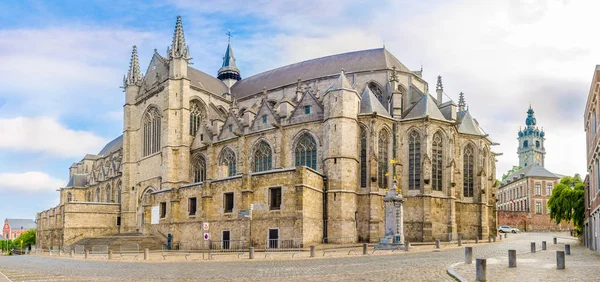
(531,142)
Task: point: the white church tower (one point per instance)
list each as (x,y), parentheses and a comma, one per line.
(531,143)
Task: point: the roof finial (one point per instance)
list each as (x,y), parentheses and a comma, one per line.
(265,96)
(439,85)
(178,48)
(134,76)
(394,76)
(461,102)
(228,33)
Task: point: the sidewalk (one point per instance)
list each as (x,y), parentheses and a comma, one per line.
(581,265)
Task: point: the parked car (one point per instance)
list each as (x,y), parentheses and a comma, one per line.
(507,229)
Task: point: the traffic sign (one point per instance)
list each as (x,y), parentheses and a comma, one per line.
(206,236)
(244,213)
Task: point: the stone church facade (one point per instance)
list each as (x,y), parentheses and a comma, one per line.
(313,146)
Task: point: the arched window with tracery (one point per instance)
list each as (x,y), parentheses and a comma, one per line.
(228,160)
(199,169)
(98,194)
(263,157)
(382,171)
(108,194)
(306,151)
(363,156)
(436,161)
(414,161)
(468,171)
(376,91)
(69,197)
(151,129)
(196,116)
(89,196)
(119,192)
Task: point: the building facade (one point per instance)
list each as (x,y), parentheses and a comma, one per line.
(591,225)
(13,228)
(312,146)
(524,194)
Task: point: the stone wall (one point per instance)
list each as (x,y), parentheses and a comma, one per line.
(530,222)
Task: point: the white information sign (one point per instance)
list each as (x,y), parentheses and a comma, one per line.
(205,226)
(154,216)
(206,236)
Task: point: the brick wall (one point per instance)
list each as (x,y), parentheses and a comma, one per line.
(531,222)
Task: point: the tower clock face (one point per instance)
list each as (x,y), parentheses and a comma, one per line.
(538,158)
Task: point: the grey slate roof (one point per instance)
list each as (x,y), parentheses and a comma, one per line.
(467,124)
(207,82)
(532,171)
(364,60)
(370,104)
(16,224)
(425,107)
(112,146)
(77,180)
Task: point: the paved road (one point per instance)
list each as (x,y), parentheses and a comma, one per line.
(421,264)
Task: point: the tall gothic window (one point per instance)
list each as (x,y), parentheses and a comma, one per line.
(263,157)
(363,157)
(196,115)
(436,162)
(306,151)
(89,196)
(151,128)
(376,91)
(228,160)
(414,161)
(118,192)
(108,194)
(383,143)
(69,197)
(97,194)
(468,171)
(199,169)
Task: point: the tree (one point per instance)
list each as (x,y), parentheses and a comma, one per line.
(567,201)
(28,238)
(513,169)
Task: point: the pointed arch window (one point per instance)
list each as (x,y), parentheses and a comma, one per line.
(97,194)
(69,197)
(196,117)
(363,156)
(414,161)
(199,169)
(151,129)
(383,143)
(108,194)
(436,162)
(119,192)
(468,171)
(306,151)
(376,91)
(263,157)
(228,160)
(89,196)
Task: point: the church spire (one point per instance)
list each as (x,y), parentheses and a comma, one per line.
(461,102)
(178,48)
(229,73)
(134,76)
(439,89)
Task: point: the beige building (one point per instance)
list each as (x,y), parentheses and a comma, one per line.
(309,145)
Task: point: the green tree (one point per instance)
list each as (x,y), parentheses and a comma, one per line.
(567,201)
(513,169)
(28,238)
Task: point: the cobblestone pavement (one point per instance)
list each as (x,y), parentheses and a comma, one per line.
(420,264)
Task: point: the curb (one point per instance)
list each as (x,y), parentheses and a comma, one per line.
(454,274)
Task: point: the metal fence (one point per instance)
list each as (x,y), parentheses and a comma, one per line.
(228,246)
(79,249)
(283,245)
(131,248)
(99,250)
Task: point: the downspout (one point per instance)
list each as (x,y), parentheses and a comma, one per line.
(325,186)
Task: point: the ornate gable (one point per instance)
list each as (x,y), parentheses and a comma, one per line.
(265,117)
(302,114)
(232,128)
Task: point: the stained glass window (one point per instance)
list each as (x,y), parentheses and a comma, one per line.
(262,157)
(414,161)
(436,162)
(306,151)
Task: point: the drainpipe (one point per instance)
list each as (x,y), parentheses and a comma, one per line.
(325,186)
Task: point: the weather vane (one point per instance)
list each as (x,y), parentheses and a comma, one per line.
(229,35)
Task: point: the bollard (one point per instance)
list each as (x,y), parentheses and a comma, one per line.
(251,253)
(364,248)
(59,253)
(500,237)
(146,254)
(110,254)
(533,247)
(468,255)
(437,244)
(72,253)
(406,245)
(312,251)
(494,239)
(459,241)
(476,240)
(480,266)
(87,253)
(512,258)
(504,235)
(567,249)
(543,245)
(489,239)
(554,240)
(560,260)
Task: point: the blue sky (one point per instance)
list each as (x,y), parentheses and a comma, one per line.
(63,63)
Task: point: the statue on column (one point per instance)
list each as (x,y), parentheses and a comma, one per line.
(394,218)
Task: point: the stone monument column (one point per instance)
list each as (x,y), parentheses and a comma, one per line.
(394,218)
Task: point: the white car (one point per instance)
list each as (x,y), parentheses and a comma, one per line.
(507,229)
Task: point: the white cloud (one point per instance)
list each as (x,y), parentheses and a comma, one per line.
(48,136)
(31,181)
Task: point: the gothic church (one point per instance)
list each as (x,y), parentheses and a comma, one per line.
(312,146)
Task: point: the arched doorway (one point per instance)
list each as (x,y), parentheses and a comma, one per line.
(144,207)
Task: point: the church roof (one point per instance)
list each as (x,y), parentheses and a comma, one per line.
(112,146)
(467,124)
(534,170)
(364,60)
(425,107)
(370,104)
(77,180)
(21,223)
(207,82)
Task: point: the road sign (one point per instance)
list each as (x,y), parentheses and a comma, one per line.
(205,226)
(206,236)
(244,214)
